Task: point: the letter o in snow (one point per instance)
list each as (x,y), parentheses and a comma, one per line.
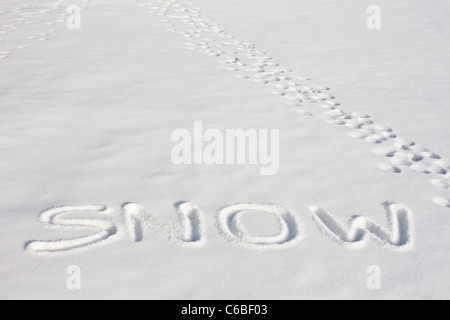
(229,223)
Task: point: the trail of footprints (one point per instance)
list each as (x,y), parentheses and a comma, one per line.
(19,23)
(247,62)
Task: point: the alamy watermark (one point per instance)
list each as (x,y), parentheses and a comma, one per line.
(374,19)
(233,146)
(73,21)
(374,280)
(74,280)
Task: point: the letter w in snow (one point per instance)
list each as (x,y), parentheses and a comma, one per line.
(361,229)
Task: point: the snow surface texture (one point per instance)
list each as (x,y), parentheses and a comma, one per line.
(87,120)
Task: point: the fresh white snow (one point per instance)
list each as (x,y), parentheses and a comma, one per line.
(89,188)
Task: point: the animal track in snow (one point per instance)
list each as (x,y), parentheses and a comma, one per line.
(29,23)
(440,183)
(247,62)
(442,201)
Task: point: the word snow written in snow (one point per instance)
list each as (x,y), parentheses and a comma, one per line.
(189,231)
